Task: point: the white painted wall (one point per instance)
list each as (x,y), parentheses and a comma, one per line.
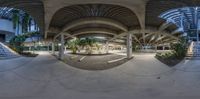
(6,25)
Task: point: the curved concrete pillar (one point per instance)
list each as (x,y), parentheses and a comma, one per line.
(53,47)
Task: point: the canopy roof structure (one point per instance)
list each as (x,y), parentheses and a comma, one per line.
(5,12)
(185,18)
(114,18)
(33,7)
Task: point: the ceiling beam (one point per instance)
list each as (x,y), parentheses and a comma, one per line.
(135,38)
(164,26)
(151,31)
(147,35)
(95,20)
(93,31)
(96,31)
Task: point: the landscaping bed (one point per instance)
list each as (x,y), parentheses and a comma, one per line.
(176,55)
(169,58)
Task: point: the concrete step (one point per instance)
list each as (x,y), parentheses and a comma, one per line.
(194,52)
(5,51)
(192,58)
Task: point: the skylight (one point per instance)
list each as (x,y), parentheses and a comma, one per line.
(186,18)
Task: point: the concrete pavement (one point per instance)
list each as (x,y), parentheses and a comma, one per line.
(44,77)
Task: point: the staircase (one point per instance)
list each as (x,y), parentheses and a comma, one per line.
(193,50)
(6,52)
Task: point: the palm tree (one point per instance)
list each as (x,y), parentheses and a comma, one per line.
(73,45)
(89,43)
(25,22)
(77,44)
(21,18)
(16,19)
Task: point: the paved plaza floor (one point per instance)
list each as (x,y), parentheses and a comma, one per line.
(45,77)
(95,62)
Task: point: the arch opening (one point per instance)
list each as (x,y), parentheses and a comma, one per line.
(121,18)
(16,22)
(187,19)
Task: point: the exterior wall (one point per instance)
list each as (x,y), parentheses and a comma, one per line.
(9,36)
(6,27)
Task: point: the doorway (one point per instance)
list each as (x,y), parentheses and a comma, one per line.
(2,37)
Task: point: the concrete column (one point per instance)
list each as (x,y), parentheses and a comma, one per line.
(121,48)
(53,47)
(61,50)
(129,45)
(107,47)
(156,48)
(65,49)
(29,48)
(197,35)
(48,47)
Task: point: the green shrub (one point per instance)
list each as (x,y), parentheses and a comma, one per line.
(178,51)
(16,43)
(75,44)
(179,48)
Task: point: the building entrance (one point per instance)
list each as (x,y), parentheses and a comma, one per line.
(2,37)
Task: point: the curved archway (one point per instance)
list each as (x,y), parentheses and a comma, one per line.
(33,7)
(155,7)
(15,27)
(95,16)
(16,22)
